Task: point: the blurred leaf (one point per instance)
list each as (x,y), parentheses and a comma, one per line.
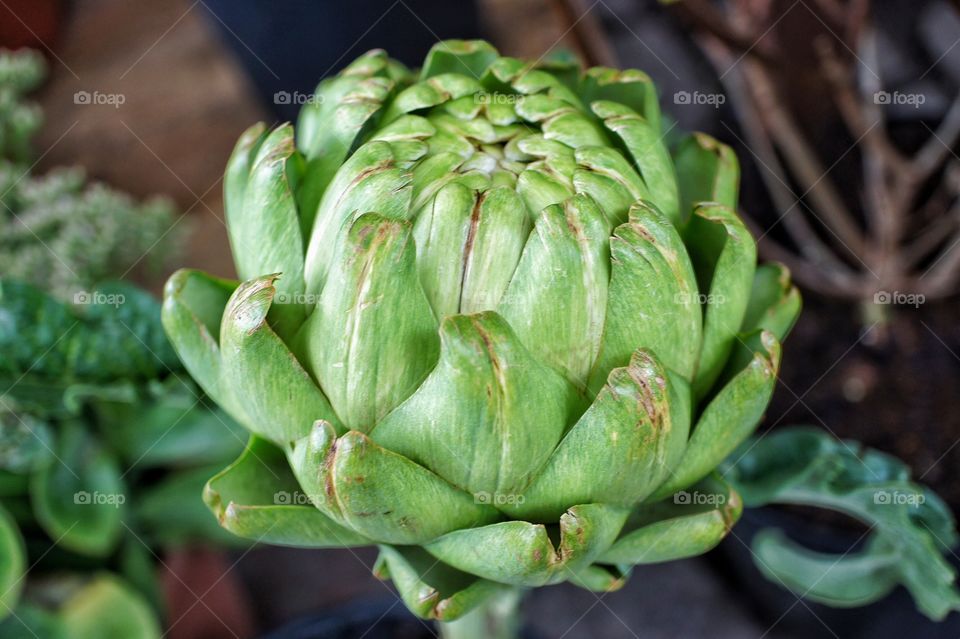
(32,622)
(172,513)
(13,563)
(108,608)
(26,443)
(114,333)
(909,525)
(138,565)
(168,424)
(78,498)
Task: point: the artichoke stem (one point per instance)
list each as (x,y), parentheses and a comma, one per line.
(497,618)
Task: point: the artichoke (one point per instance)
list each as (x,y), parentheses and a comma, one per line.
(488,322)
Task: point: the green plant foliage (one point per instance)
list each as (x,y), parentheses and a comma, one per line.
(910,527)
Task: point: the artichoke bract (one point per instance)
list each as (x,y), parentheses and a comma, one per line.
(487,321)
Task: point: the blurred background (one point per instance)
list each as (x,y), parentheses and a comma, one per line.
(845,117)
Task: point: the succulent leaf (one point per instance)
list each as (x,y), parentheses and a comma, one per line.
(523,554)
(688,525)
(381,494)
(429,588)
(488,415)
(275,393)
(258,498)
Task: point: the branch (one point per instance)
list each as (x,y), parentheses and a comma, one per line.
(772,173)
(808,274)
(586,32)
(940,144)
(803,161)
(931,237)
(941,278)
(704,16)
(854,108)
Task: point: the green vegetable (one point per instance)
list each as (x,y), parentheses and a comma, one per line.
(476,328)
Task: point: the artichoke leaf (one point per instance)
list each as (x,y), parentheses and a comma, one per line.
(468,245)
(329,126)
(193,304)
(724,258)
(430,588)
(539,186)
(488,415)
(523,554)
(606,176)
(369,181)
(558,296)
(774,303)
(644,145)
(276,394)
(264,225)
(378,493)
(617,453)
(600,578)
(372,338)
(630,87)
(689,524)
(729,418)
(707,171)
(431,92)
(466,57)
(258,498)
(653,300)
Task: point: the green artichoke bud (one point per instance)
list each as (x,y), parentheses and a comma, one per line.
(486,321)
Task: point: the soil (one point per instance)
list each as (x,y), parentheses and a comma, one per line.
(895,388)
